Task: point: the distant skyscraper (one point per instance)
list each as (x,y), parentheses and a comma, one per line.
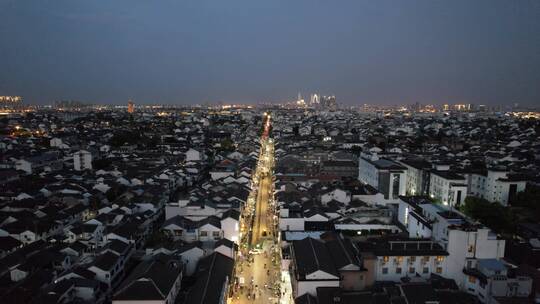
(10,101)
(300,101)
(329,102)
(131,106)
(314,100)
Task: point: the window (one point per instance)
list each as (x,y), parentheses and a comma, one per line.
(439,270)
(178,232)
(215,233)
(386,259)
(406,215)
(472,279)
(385,270)
(425,270)
(412,259)
(412,270)
(439,259)
(398,269)
(395,185)
(203,233)
(471,248)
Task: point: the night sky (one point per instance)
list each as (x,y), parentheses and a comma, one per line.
(187,52)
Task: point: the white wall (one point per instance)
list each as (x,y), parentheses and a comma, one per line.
(293,224)
(338,195)
(215,175)
(359,227)
(417,229)
(441,188)
(226,251)
(419,263)
(402,184)
(209,229)
(23,165)
(463,245)
(193,155)
(192,212)
(191,259)
(367,173)
(231,229)
(414,180)
(303,287)
(493,189)
(82,160)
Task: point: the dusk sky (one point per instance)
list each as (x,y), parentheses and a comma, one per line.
(187,52)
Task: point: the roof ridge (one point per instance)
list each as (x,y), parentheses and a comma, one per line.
(140,279)
(314,253)
(157,288)
(208,279)
(344,250)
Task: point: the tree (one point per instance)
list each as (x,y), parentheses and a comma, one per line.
(94,203)
(113,193)
(529,199)
(356,150)
(494,215)
(158,237)
(99,164)
(227,145)
(123,138)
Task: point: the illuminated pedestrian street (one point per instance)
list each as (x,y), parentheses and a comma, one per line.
(258,275)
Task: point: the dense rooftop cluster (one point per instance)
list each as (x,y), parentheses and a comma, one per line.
(85,203)
(438,207)
(108,206)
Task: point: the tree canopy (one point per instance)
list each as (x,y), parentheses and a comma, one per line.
(494,215)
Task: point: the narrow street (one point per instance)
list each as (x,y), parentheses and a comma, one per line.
(258,274)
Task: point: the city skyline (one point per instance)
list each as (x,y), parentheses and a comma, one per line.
(385,53)
(269,152)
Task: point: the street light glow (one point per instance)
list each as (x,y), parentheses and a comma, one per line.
(259,258)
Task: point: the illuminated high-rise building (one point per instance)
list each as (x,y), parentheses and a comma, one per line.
(329,102)
(131,107)
(10,102)
(300,101)
(314,100)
